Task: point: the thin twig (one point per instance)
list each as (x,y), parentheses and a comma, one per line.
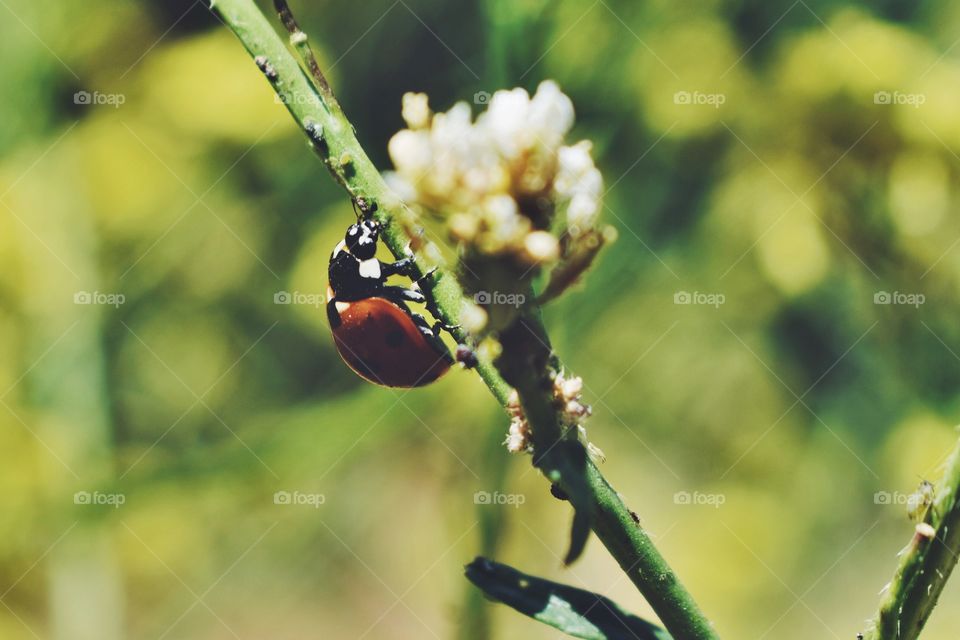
(301,42)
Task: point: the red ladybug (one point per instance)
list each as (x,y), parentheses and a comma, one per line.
(377,335)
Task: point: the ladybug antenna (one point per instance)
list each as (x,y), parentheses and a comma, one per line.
(363,208)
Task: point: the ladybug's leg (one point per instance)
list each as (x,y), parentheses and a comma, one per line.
(439,325)
(404,267)
(399,296)
(431,334)
(401,267)
(425,277)
(431,307)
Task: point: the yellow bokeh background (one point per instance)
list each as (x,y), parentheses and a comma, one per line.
(790,169)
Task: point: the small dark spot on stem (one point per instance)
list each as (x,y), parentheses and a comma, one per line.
(667,578)
(264,65)
(315,131)
(635,517)
(346,165)
(467,356)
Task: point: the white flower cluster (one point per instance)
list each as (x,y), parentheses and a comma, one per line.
(567,393)
(518,436)
(492,177)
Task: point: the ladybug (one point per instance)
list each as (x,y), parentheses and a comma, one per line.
(375,332)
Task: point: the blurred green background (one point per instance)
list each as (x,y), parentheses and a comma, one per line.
(799,160)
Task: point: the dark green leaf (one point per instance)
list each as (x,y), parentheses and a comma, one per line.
(576,612)
(569,458)
(579,534)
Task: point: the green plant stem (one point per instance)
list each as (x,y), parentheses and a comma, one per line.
(526,363)
(332,137)
(924,566)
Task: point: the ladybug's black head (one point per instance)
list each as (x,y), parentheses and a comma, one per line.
(361,239)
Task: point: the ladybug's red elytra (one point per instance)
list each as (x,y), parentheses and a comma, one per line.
(376,334)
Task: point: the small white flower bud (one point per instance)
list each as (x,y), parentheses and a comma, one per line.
(410,152)
(570,388)
(464,227)
(416,110)
(472,317)
(575,409)
(518,436)
(541,246)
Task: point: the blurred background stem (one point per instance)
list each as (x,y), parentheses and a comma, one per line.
(67,390)
(499,30)
(925,565)
(526,350)
(476,612)
(476,619)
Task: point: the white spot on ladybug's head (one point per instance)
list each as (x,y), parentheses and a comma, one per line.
(370,229)
(352,236)
(362,239)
